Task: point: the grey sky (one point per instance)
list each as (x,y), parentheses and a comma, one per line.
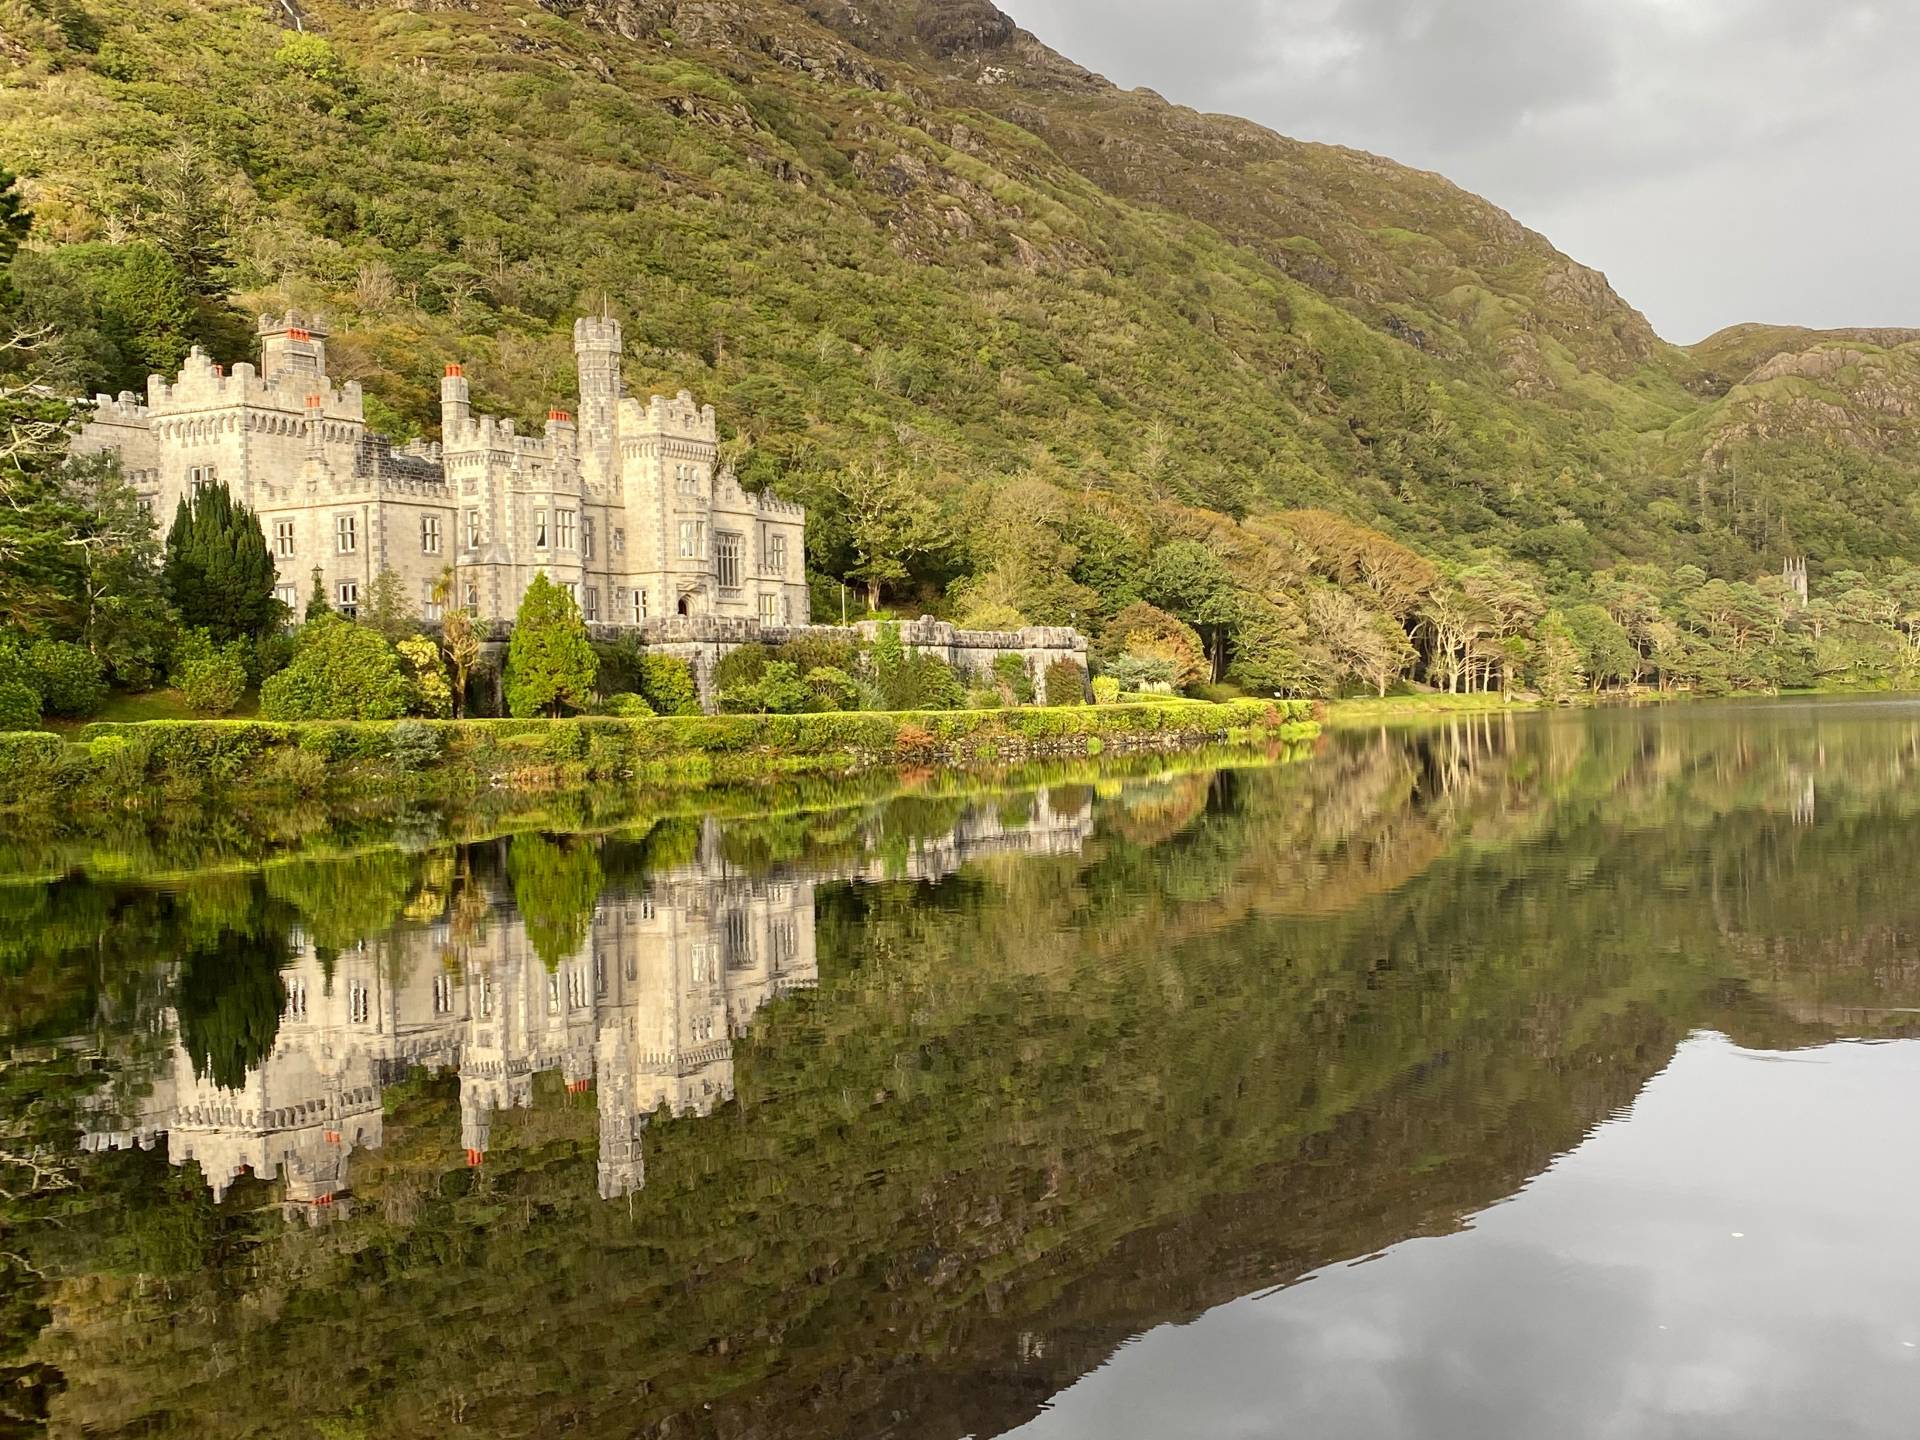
(1721,160)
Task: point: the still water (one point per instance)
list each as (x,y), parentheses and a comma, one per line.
(1527,1076)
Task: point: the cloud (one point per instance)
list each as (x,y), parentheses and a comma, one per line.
(1717,157)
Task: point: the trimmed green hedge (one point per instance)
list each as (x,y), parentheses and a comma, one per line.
(119,762)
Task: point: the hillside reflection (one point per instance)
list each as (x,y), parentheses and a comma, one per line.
(915,1110)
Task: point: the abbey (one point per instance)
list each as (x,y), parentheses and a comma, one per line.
(627,506)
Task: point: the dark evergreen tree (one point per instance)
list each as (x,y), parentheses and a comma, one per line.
(218,569)
(14,220)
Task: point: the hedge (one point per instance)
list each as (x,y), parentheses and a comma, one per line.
(120,761)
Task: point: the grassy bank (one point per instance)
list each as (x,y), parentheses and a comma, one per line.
(1366,710)
(141,764)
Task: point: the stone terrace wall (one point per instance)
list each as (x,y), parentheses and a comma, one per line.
(701,640)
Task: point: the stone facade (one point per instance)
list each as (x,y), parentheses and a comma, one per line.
(628,506)
(644,1015)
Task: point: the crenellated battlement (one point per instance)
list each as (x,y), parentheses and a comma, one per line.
(202,385)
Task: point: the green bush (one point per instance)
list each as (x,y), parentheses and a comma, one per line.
(297,771)
(627,707)
(819,652)
(29,761)
(212,679)
(740,669)
(1106,690)
(1015,679)
(832,689)
(778,690)
(70,680)
(19,705)
(919,682)
(1066,683)
(341,671)
(413,745)
(666,683)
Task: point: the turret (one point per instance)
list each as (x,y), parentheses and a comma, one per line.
(598,354)
(292,345)
(456,408)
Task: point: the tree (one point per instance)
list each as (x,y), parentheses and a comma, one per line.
(550,660)
(889,523)
(387,611)
(38,569)
(1190,580)
(556,886)
(1454,622)
(15,220)
(1556,665)
(318,606)
(427,675)
(340,671)
(218,570)
(1150,633)
(1606,650)
(1363,642)
(187,215)
(124,617)
(460,638)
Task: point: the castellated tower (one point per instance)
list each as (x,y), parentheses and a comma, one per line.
(596,349)
(292,345)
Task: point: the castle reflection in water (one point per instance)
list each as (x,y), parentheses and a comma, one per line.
(643,1014)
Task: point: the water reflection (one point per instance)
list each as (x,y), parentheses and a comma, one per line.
(635,997)
(1053,1071)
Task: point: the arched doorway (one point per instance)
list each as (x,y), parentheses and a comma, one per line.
(686,605)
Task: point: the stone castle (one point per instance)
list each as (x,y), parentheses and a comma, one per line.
(627,506)
(640,1019)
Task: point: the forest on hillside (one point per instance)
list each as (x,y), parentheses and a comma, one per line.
(1013,380)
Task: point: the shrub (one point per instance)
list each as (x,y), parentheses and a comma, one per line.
(70,680)
(919,682)
(779,690)
(832,689)
(426,676)
(1015,680)
(412,744)
(341,671)
(741,668)
(211,678)
(1147,633)
(1106,690)
(1066,683)
(916,742)
(19,705)
(819,652)
(627,707)
(295,771)
(667,685)
(1135,672)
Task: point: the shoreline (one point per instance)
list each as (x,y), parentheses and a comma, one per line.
(136,766)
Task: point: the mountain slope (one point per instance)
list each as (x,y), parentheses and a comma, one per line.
(905,233)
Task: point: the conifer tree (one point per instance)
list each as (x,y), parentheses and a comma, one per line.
(218,569)
(550,661)
(318,606)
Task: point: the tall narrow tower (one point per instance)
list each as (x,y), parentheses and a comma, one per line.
(596,349)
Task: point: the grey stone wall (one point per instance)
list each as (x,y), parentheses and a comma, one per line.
(702,640)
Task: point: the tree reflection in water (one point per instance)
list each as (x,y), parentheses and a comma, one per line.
(988,1086)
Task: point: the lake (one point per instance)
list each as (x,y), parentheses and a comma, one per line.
(1520,1075)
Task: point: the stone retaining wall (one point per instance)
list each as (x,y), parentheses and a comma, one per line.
(701,641)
